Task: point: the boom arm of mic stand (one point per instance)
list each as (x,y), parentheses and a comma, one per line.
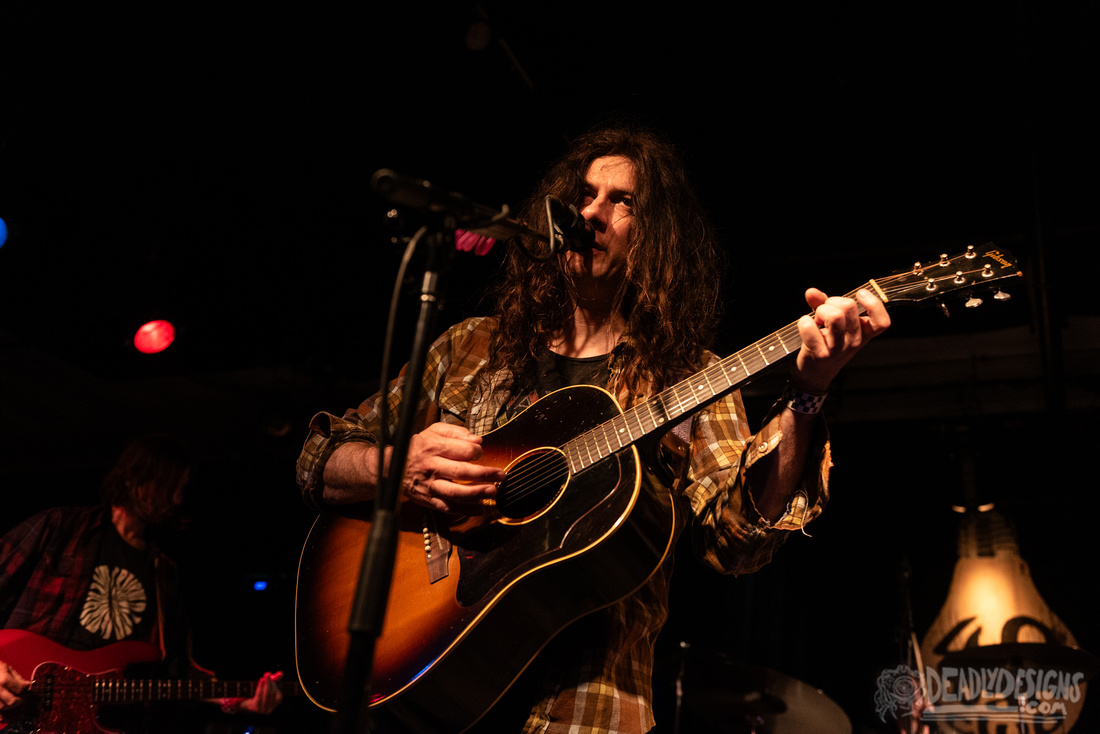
(376,571)
(469,215)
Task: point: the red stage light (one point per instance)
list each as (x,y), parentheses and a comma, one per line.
(154,336)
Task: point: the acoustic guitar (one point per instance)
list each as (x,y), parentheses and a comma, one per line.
(578,524)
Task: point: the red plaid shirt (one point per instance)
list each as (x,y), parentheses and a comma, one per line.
(604,682)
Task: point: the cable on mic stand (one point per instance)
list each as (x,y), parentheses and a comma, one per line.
(453,211)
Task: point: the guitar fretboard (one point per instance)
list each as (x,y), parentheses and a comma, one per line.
(682,399)
(109,690)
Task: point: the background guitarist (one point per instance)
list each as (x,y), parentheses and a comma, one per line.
(89,577)
(633,314)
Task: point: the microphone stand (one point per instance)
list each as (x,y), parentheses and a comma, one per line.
(376,569)
(372,592)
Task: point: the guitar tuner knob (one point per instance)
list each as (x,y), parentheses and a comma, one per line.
(917,270)
(944,260)
(1001,296)
(931,287)
(971,253)
(973,302)
(987,271)
(959,279)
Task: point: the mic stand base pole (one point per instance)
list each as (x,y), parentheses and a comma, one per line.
(376,571)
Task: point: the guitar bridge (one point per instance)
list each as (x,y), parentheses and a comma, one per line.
(437,550)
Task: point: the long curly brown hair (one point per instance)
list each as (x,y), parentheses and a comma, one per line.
(669,298)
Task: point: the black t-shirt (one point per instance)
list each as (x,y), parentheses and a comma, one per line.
(554,371)
(121,603)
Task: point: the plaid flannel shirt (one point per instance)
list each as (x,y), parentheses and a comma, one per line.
(607,686)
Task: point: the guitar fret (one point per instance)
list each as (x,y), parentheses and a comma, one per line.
(619,425)
(771,342)
(607,440)
(759,363)
(762,355)
(586,444)
(626,427)
(714,374)
(637,416)
(572,458)
(709,385)
(592,441)
(693,396)
(669,402)
(663,415)
(720,368)
(684,400)
(741,359)
(699,394)
(679,393)
(727,370)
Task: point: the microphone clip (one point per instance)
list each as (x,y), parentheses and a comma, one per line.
(568,229)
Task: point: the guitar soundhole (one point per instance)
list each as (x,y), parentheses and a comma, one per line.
(532,484)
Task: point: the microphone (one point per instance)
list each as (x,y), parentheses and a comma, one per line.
(570,227)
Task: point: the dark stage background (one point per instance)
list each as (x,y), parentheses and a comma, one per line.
(210,162)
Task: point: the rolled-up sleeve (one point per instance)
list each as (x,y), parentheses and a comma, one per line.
(728,532)
(326,433)
(444,395)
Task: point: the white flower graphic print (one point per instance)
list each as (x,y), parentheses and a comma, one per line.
(116,600)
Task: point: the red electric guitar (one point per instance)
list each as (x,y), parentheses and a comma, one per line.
(577,525)
(68,686)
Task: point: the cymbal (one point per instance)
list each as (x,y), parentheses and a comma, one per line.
(734,697)
(1017,655)
(742,704)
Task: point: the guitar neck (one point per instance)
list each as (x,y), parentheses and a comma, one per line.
(923,283)
(119,691)
(685,397)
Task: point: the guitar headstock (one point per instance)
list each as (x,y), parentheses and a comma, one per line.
(975,269)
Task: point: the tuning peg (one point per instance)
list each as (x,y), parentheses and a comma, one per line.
(973,302)
(943,307)
(1001,296)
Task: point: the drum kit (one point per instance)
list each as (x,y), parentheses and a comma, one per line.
(713,693)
